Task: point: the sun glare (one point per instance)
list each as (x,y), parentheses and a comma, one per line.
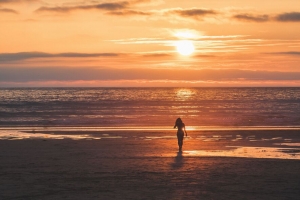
(185,47)
(184,94)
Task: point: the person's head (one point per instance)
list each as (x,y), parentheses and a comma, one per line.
(178,121)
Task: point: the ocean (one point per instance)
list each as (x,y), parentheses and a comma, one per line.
(149,107)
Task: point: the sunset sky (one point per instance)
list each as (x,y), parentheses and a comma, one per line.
(134,43)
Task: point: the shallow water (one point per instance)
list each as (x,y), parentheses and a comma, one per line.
(245,143)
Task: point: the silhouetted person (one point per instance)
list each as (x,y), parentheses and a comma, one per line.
(180,132)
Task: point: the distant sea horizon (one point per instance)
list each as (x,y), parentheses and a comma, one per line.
(29,87)
(150,106)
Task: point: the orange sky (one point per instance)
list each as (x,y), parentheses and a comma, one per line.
(133,43)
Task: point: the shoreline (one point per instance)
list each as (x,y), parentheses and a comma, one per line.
(149,128)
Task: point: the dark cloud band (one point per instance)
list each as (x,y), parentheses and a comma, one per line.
(128,12)
(7,57)
(193,12)
(103,6)
(15,1)
(251,18)
(293,53)
(7,10)
(289,17)
(25,74)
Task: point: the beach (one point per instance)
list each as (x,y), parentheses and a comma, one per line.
(96,95)
(145,164)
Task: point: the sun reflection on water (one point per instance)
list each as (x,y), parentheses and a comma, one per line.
(184,94)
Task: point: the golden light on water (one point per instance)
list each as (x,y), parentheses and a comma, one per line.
(190,128)
(184,94)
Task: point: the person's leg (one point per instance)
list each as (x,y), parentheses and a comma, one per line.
(180,140)
(180,143)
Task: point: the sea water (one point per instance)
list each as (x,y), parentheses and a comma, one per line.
(150,107)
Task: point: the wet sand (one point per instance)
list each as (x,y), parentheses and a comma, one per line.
(48,164)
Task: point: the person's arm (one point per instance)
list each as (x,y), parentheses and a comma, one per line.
(185,131)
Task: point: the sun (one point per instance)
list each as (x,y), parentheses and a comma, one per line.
(185,47)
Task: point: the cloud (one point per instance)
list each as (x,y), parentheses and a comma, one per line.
(204,56)
(25,74)
(112,6)
(156,55)
(103,6)
(125,8)
(251,18)
(193,12)
(7,10)
(128,12)
(288,17)
(295,53)
(140,41)
(16,1)
(284,17)
(7,57)
(121,8)
(55,9)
